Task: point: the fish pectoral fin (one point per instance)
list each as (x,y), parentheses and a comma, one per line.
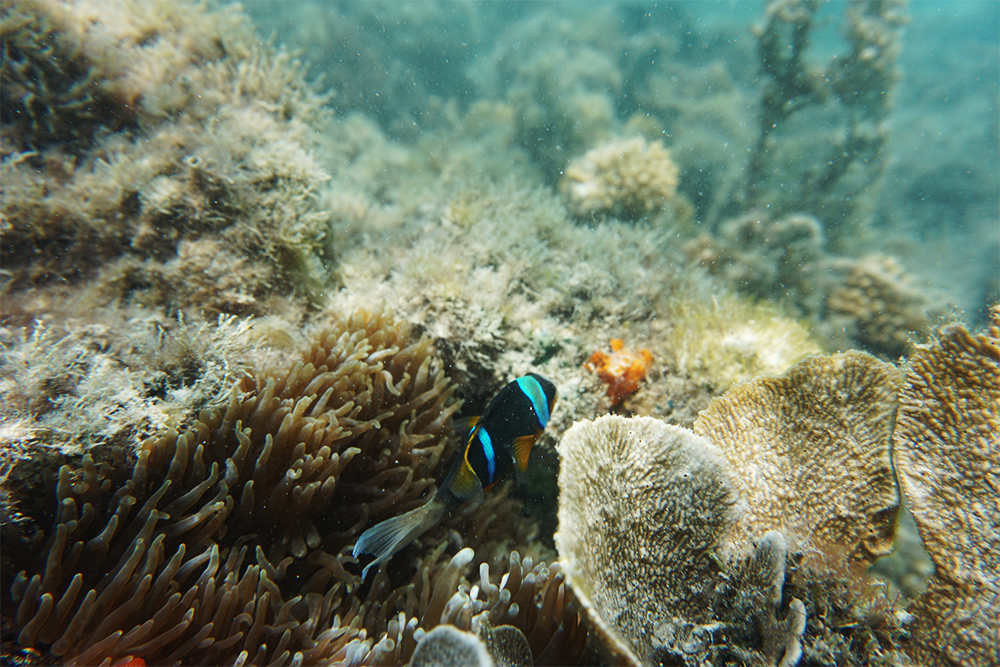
(386,538)
(465,485)
(521,448)
(464,425)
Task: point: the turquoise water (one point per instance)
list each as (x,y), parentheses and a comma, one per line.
(928,195)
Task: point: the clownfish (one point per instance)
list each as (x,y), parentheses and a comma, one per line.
(500,442)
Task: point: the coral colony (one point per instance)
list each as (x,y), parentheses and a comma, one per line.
(253,303)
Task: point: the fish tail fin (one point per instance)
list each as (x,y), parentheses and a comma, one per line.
(386,538)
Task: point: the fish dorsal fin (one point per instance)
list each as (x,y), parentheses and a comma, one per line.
(466,485)
(521,448)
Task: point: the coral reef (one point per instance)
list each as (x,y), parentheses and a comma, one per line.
(626,178)
(728,339)
(947,453)
(54,92)
(872,302)
(621,370)
(366,406)
(561,81)
(485,190)
(66,386)
(641,501)
(784,493)
(217,544)
(759,255)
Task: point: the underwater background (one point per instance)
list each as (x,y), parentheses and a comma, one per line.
(261,262)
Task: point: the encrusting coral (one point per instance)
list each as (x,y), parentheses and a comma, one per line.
(621,370)
(626,178)
(947,452)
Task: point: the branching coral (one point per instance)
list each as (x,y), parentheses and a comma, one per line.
(948,457)
(854,88)
(626,178)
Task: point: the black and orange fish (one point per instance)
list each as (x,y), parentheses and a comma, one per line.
(500,442)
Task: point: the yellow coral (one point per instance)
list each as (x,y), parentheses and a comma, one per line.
(626,178)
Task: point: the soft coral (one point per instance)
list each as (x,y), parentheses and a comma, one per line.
(621,370)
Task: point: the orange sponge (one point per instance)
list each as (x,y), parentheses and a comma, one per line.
(621,370)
